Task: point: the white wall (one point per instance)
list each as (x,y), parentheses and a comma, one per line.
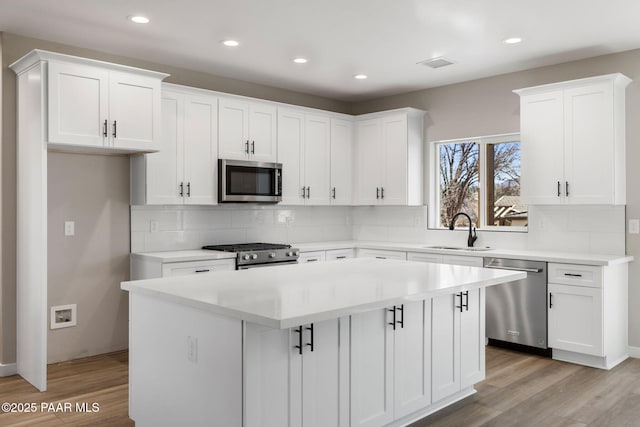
(191,227)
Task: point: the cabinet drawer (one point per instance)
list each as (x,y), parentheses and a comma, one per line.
(175,269)
(313,256)
(573,274)
(377,253)
(423,257)
(337,254)
(471,261)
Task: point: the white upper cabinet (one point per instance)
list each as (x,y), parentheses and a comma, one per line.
(388,158)
(95,108)
(247,131)
(573,141)
(304,151)
(341,161)
(184,171)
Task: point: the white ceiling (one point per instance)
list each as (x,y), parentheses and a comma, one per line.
(381,38)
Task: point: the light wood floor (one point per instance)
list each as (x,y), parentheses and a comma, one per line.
(520,390)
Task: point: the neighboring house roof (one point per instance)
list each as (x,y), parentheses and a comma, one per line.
(509,207)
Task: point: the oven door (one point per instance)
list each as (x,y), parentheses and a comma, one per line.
(270,264)
(245,181)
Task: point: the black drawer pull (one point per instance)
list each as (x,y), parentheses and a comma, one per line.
(573,274)
(203,271)
(310,343)
(341,257)
(401,321)
(393,322)
(298,331)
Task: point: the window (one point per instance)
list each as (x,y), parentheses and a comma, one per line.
(480,177)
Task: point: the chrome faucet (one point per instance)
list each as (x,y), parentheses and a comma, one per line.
(472,236)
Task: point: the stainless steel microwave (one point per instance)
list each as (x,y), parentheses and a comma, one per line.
(246,181)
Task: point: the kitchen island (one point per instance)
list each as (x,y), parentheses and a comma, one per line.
(361,342)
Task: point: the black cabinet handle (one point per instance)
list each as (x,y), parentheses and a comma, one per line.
(310,343)
(401,321)
(466,304)
(382,192)
(393,323)
(246,147)
(459,306)
(333,192)
(298,331)
(202,271)
(566,188)
(573,274)
(188,189)
(304,194)
(550,300)
(558,188)
(115,129)
(341,257)
(181,189)
(253,147)
(377,193)
(104,129)
(308,192)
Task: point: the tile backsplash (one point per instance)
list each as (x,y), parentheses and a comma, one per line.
(592,229)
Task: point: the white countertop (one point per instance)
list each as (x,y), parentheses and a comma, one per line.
(292,295)
(533,255)
(180,256)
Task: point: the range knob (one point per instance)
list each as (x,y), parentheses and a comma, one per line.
(254,256)
(245,257)
(272,255)
(296,253)
(289,253)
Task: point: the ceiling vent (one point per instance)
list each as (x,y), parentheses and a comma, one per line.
(437,62)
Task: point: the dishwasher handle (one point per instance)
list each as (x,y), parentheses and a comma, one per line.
(528,270)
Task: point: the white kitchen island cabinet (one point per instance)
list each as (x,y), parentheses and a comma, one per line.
(297,345)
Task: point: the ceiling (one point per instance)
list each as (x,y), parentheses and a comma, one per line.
(384,39)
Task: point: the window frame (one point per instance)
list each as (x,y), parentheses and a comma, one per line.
(434,178)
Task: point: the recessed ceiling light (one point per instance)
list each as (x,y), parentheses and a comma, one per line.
(300,60)
(360,76)
(231,43)
(512,40)
(139,19)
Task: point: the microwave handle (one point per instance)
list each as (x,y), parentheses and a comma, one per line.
(277,182)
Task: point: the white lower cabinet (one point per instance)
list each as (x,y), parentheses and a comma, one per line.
(313,256)
(458,330)
(149,268)
(587,312)
(382,254)
(390,363)
(297,376)
(337,254)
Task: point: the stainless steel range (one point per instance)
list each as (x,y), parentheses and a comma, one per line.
(252,255)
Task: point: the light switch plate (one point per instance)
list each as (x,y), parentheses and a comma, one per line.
(634,226)
(154,226)
(69,228)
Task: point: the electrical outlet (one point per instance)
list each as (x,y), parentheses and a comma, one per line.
(69,228)
(154,226)
(192,349)
(63,316)
(634,226)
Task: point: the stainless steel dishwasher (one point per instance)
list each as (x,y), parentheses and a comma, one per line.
(517,311)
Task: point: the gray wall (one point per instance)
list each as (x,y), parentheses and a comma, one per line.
(488,106)
(14,47)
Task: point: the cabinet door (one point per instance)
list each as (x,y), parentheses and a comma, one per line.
(313,256)
(589,141)
(371,369)
(367,162)
(164,169)
(542,142)
(472,339)
(291,155)
(233,127)
(341,166)
(262,133)
(200,150)
(394,160)
(338,254)
(78,104)
(575,319)
(134,111)
(412,357)
(317,157)
(266,376)
(174,269)
(322,394)
(424,257)
(380,254)
(445,346)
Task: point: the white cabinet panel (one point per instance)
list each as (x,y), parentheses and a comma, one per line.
(424,257)
(338,254)
(445,345)
(174,269)
(262,132)
(341,161)
(472,338)
(394,160)
(317,158)
(313,256)
(381,254)
(566,128)
(234,129)
(471,261)
(291,155)
(367,158)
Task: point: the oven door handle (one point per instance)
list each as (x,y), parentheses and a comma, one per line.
(528,270)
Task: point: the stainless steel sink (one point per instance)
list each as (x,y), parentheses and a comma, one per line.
(458,248)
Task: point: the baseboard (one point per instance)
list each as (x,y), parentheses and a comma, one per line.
(8,369)
(634,352)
